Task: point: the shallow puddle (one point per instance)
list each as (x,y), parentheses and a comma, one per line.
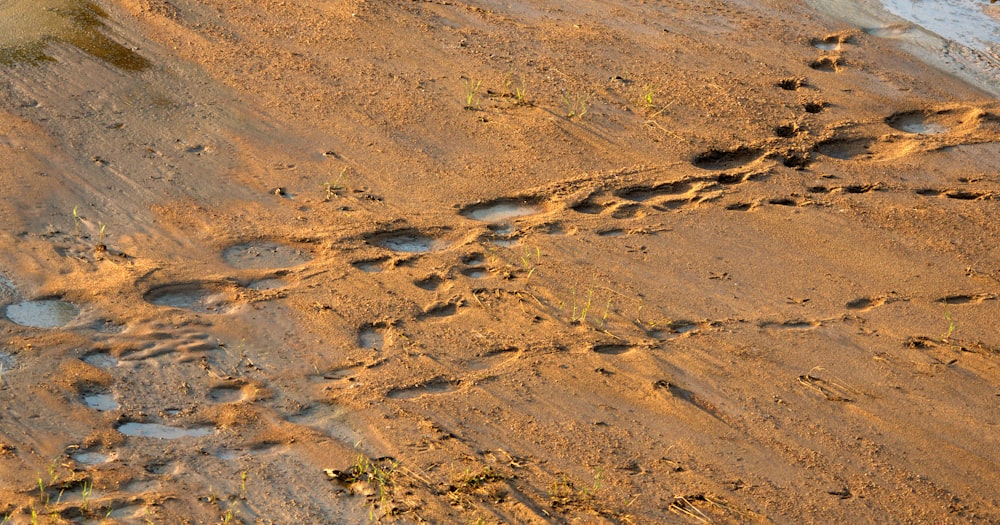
(44,313)
(28,26)
(156,430)
(501,210)
(918,123)
(101,402)
(373,266)
(91,458)
(103,361)
(264,254)
(371,337)
(192,296)
(408,243)
(475,273)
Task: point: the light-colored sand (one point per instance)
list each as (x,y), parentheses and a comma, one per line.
(742,267)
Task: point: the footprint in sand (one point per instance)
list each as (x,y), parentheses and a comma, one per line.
(834,42)
(432,387)
(829,63)
(100,400)
(372,336)
(845,148)
(612,349)
(795,325)
(502,210)
(371,265)
(42,313)
(863,304)
(719,160)
(264,255)
(202,297)
(408,241)
(791,83)
(967,299)
(158,431)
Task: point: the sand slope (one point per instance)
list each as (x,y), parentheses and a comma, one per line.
(471,262)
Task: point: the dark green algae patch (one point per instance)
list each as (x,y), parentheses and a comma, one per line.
(27,27)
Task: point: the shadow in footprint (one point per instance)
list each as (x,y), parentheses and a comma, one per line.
(436,386)
(718,160)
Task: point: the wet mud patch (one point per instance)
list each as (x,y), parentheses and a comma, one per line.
(227,394)
(845,149)
(42,313)
(100,401)
(198,297)
(408,241)
(717,160)
(476,273)
(91,458)
(101,360)
(433,387)
(370,265)
(923,122)
(502,210)
(156,430)
(372,336)
(264,255)
(27,27)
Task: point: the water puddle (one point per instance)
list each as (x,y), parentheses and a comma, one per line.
(226,394)
(28,26)
(501,210)
(372,266)
(917,122)
(198,297)
(91,458)
(103,361)
(371,337)
(155,430)
(264,254)
(968,23)
(44,313)
(101,402)
(408,242)
(475,273)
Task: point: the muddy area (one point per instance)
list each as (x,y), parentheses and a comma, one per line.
(480,262)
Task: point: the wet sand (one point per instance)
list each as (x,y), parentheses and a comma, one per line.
(471,262)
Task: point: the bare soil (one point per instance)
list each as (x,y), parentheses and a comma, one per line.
(487,262)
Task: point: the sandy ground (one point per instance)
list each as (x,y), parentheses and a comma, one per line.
(485,262)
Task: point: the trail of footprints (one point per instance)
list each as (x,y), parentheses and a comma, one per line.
(714,174)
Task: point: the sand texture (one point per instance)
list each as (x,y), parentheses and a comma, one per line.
(481,262)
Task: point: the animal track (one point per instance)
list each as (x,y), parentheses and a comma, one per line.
(432,387)
(202,297)
(718,160)
(967,299)
(863,304)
